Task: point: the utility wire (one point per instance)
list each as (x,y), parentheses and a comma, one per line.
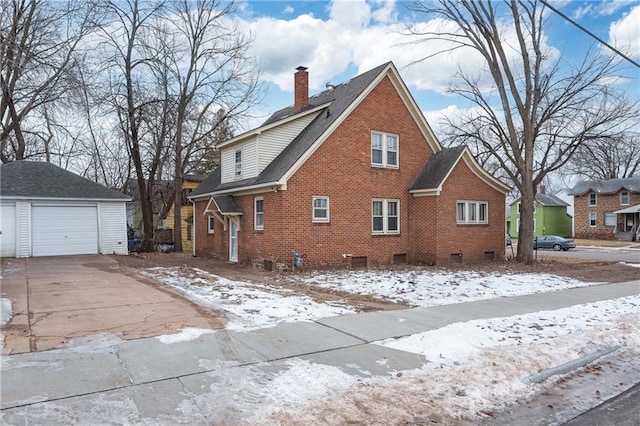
(590,33)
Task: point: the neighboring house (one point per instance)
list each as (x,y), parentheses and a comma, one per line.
(189,183)
(567,196)
(350,176)
(48,211)
(608,209)
(550,216)
(162,196)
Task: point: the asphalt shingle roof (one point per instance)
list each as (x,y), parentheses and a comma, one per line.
(607,186)
(550,200)
(45,180)
(437,168)
(340,97)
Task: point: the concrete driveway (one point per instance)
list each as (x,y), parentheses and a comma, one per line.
(55,299)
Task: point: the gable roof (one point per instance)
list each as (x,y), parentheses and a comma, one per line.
(32,179)
(334,105)
(546,200)
(438,168)
(607,186)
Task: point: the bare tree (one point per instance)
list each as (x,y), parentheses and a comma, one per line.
(215,81)
(39,42)
(536,108)
(130,94)
(607,158)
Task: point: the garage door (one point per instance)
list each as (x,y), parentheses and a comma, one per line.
(64,230)
(7,230)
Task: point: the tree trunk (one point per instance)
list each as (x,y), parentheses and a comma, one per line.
(525,233)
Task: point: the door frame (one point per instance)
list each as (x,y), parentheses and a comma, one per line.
(234,226)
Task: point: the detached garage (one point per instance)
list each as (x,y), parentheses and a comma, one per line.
(48,211)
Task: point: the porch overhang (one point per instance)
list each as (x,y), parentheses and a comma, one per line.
(632,209)
(221,207)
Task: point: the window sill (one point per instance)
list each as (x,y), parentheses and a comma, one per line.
(385,235)
(472,224)
(381,166)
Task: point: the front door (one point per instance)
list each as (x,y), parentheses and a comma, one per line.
(233,238)
(629,222)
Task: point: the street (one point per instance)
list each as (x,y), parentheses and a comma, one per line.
(621,410)
(607,254)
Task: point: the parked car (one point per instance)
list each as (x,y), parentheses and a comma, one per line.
(553,242)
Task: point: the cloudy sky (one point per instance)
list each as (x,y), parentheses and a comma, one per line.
(339,39)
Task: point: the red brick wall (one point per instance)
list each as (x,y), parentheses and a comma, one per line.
(341,169)
(605,203)
(470,240)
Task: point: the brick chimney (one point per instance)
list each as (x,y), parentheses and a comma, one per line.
(301,89)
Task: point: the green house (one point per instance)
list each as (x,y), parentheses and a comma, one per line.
(550,217)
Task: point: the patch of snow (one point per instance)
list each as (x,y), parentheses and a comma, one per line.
(185,335)
(426,287)
(635,265)
(100,343)
(6,311)
(248,305)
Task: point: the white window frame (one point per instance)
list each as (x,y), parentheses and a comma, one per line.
(385,150)
(471,212)
(314,209)
(595,199)
(211,221)
(385,216)
(518,225)
(256,214)
(593,219)
(622,203)
(609,215)
(238,163)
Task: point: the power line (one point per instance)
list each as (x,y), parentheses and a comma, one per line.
(590,33)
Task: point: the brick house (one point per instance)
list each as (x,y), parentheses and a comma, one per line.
(352,176)
(607,209)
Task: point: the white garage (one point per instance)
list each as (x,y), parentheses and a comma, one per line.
(48,211)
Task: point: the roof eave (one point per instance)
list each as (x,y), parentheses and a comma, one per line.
(22,197)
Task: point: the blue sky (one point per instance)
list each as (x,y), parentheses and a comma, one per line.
(339,39)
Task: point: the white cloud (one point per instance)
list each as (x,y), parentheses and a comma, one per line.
(387,13)
(288,10)
(352,14)
(610,7)
(624,34)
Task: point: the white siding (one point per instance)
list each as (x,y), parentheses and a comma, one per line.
(273,141)
(258,152)
(23,229)
(112,219)
(249,161)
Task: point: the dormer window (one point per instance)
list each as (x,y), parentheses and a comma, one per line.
(238,169)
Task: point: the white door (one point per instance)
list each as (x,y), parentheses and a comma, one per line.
(7,230)
(64,230)
(233,239)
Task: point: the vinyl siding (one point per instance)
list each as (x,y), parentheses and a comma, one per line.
(23,229)
(249,161)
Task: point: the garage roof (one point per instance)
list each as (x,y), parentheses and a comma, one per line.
(33,179)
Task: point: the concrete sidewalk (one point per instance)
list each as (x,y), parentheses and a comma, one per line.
(157,378)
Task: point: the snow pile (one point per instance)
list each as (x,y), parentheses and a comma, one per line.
(6,311)
(248,305)
(428,287)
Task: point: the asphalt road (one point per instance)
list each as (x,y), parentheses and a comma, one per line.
(606,254)
(621,410)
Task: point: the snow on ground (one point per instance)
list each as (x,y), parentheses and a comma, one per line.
(6,311)
(635,265)
(248,305)
(430,287)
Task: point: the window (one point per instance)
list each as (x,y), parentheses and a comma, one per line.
(384,150)
(238,172)
(593,199)
(258,215)
(385,216)
(518,225)
(189,232)
(610,219)
(534,208)
(472,212)
(624,198)
(211,221)
(320,209)
(593,221)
